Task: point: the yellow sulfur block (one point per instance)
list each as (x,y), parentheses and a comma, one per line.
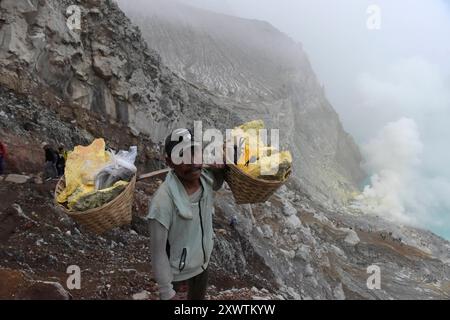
(273,167)
(81,167)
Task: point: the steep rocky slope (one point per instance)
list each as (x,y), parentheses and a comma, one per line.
(67,87)
(258,72)
(105,67)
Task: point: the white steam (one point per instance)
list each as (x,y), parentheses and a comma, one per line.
(393,157)
(399,189)
(408,159)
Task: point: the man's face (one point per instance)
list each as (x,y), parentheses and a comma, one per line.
(187,171)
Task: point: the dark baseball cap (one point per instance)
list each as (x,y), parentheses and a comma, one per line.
(183,134)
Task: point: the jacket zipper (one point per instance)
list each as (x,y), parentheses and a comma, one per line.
(201,226)
(182,260)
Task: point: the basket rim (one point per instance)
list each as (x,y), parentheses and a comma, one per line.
(79,213)
(271,182)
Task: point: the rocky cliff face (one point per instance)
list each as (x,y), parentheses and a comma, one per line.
(258,72)
(105,67)
(67,87)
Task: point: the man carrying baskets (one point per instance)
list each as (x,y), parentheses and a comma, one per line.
(180,218)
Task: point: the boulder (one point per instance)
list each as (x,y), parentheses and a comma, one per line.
(293,222)
(44,290)
(309,271)
(288,253)
(106,67)
(102,67)
(288,209)
(267,231)
(143,295)
(17,285)
(303,253)
(351,238)
(17,178)
(12,281)
(38,180)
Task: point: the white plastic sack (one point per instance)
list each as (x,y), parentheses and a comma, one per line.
(120,168)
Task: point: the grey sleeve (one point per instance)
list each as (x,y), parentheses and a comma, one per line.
(161,266)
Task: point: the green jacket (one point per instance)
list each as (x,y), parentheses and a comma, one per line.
(189,225)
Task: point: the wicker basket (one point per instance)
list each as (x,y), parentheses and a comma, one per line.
(247,189)
(109,216)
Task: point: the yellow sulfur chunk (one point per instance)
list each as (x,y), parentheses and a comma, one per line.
(249,142)
(94,199)
(274,167)
(81,167)
(255,125)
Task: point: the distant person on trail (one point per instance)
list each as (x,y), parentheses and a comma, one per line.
(181,227)
(51,159)
(3,153)
(233,222)
(61,163)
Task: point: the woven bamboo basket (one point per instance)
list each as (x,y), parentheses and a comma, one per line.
(109,216)
(247,189)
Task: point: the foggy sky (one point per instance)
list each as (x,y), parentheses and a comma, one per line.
(342,49)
